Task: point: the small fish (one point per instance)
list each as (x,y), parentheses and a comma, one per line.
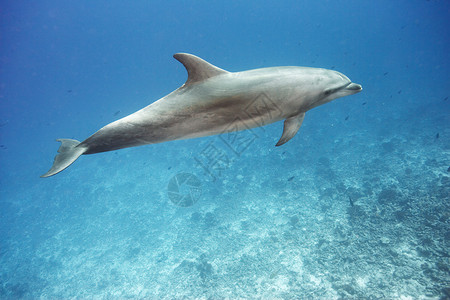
(364,103)
(290,178)
(116,113)
(385,73)
(446,98)
(274,274)
(399,92)
(351,201)
(437,135)
(69,91)
(346,118)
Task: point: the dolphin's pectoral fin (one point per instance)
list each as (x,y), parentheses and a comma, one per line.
(197,68)
(68,153)
(291,126)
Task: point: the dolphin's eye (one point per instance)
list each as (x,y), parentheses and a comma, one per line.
(328,92)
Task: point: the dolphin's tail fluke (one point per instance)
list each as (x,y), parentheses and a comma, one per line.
(69,151)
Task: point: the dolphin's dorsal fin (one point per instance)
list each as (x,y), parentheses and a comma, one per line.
(197,68)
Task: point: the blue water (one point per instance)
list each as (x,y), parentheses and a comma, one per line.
(356,205)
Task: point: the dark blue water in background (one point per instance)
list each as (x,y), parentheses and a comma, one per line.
(356,205)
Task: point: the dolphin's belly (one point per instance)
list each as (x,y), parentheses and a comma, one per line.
(216,115)
(192,113)
(151,128)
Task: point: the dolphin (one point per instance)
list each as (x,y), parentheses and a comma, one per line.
(214,101)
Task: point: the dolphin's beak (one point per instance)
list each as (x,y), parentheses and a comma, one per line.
(356,88)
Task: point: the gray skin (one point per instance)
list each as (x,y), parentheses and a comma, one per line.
(214,101)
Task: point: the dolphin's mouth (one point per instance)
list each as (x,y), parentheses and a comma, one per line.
(354,87)
(351,88)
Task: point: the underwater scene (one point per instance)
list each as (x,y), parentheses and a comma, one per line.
(255,178)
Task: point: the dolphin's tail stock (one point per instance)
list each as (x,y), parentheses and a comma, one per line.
(68,153)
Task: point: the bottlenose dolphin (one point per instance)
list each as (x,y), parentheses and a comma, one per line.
(214,101)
